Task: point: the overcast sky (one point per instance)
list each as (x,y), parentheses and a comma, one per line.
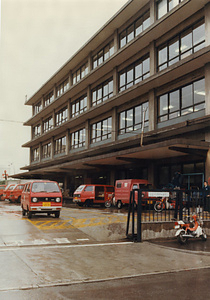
(37,38)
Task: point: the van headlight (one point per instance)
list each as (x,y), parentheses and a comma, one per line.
(34,199)
(58,200)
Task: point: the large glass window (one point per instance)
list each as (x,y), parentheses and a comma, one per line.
(79,106)
(37,107)
(60,145)
(61,116)
(36,130)
(62,88)
(134,29)
(134,73)
(80,73)
(184,44)
(46,150)
(101,130)
(48,98)
(103,54)
(182,101)
(102,92)
(35,155)
(164,6)
(47,124)
(133,118)
(78,139)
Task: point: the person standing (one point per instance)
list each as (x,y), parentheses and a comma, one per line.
(206,196)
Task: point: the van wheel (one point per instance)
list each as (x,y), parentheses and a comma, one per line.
(29,214)
(119,204)
(88,203)
(57,214)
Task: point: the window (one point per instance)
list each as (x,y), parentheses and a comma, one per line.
(79,106)
(36,130)
(101,130)
(46,150)
(132,119)
(80,73)
(134,73)
(35,155)
(48,98)
(184,44)
(61,116)
(164,6)
(103,54)
(182,101)
(62,88)
(134,29)
(60,145)
(102,92)
(37,107)
(78,139)
(48,124)
(89,188)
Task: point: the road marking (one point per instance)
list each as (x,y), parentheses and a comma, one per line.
(82,240)
(62,240)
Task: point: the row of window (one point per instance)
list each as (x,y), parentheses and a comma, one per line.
(127,35)
(187,99)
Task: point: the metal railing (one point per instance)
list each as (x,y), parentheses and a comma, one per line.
(150,206)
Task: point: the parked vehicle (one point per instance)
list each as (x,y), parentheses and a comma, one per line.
(7,191)
(2,188)
(41,196)
(90,194)
(15,195)
(189,229)
(125,186)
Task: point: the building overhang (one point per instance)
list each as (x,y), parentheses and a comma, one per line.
(141,155)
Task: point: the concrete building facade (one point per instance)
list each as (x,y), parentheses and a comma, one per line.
(133,102)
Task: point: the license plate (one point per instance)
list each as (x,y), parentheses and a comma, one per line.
(46,204)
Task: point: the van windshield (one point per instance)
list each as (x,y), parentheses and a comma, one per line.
(80,188)
(47,187)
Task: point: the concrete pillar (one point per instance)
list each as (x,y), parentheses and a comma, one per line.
(53,118)
(114,124)
(207,24)
(151,173)
(42,101)
(52,147)
(69,110)
(67,142)
(207,112)
(90,62)
(70,79)
(152,53)
(152,11)
(115,81)
(112,177)
(54,92)
(87,134)
(116,41)
(40,151)
(152,110)
(89,97)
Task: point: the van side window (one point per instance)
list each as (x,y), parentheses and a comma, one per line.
(89,188)
(135,186)
(119,184)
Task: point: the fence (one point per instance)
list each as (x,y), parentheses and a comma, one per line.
(164,206)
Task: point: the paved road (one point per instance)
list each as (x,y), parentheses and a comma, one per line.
(46,258)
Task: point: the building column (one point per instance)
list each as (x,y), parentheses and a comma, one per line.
(152,55)
(54,92)
(151,173)
(87,134)
(207,112)
(40,152)
(52,148)
(115,81)
(90,62)
(69,109)
(53,118)
(89,97)
(114,124)
(42,101)
(116,41)
(112,177)
(152,110)
(67,142)
(152,11)
(207,24)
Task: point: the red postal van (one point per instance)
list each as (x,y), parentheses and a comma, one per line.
(2,188)
(90,194)
(125,186)
(15,194)
(41,196)
(7,191)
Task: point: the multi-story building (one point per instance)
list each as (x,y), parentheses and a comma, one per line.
(133,102)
